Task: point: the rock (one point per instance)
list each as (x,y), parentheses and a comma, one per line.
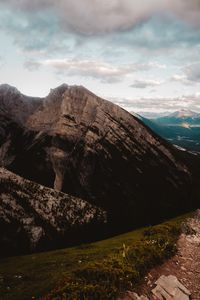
(187,229)
(33,217)
(168,287)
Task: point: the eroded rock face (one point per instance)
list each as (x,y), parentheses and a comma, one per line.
(88,147)
(33,217)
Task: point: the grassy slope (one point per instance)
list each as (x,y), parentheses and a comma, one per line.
(41,272)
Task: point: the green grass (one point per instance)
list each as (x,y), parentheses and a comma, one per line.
(89,271)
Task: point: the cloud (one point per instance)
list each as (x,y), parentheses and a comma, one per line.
(1,62)
(187,10)
(192,72)
(182,79)
(142,84)
(159,104)
(101,27)
(99,17)
(190,75)
(93,16)
(105,72)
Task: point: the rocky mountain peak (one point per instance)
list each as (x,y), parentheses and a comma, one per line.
(15,105)
(184,113)
(6,88)
(59,90)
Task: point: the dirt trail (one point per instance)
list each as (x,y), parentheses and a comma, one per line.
(185,265)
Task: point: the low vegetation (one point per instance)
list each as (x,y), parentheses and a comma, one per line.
(91,271)
(122,269)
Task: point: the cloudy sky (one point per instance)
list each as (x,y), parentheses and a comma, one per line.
(141,54)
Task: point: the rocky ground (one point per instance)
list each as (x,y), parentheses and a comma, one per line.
(179,277)
(35,218)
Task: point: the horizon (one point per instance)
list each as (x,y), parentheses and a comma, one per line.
(142,56)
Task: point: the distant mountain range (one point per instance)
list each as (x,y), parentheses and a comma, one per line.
(109,166)
(183,118)
(152,115)
(181,128)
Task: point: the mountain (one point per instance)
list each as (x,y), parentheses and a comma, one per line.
(184,113)
(183,118)
(82,145)
(152,115)
(35,218)
(181,128)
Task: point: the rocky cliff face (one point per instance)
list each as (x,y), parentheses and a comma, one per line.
(33,217)
(15,104)
(78,143)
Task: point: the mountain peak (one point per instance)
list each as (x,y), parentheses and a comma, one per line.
(64,87)
(184,113)
(59,89)
(6,88)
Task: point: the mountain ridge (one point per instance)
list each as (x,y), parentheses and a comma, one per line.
(88,147)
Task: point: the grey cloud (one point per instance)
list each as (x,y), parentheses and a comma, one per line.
(159,33)
(142,84)
(181,79)
(190,75)
(189,10)
(193,72)
(105,72)
(98,17)
(94,16)
(45,27)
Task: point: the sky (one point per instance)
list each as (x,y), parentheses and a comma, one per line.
(143,55)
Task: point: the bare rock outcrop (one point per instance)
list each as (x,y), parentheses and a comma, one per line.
(33,217)
(169,288)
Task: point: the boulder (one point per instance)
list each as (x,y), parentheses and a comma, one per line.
(168,288)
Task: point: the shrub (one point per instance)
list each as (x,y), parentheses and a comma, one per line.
(121,270)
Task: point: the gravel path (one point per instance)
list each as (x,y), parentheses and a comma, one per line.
(185,265)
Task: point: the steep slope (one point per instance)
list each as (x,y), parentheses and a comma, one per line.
(83,145)
(33,217)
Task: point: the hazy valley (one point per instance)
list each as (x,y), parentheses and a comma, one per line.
(181,128)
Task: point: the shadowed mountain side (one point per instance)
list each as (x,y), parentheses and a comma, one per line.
(35,218)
